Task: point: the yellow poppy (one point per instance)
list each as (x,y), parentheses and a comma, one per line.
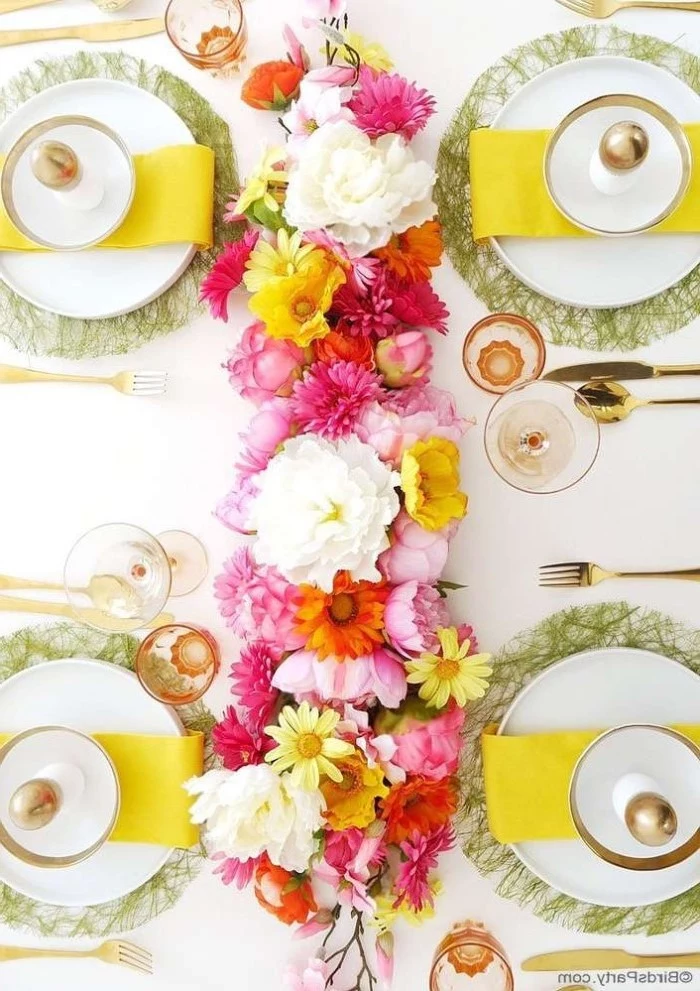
(294,307)
(350,801)
(430,482)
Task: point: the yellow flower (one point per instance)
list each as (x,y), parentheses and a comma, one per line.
(450,674)
(371,52)
(430,482)
(350,801)
(307,745)
(294,306)
(266,174)
(385,915)
(287,257)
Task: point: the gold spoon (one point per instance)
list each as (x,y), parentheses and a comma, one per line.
(651,819)
(610,402)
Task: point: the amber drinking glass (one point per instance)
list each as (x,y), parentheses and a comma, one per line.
(210,34)
(470,957)
(177,663)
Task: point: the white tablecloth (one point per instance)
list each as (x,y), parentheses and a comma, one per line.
(72,459)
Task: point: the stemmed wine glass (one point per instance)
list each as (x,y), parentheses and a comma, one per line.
(128,574)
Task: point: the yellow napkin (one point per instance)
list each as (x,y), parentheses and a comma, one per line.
(526,780)
(509,196)
(151,771)
(173,203)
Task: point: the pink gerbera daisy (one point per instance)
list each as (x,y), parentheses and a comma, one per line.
(252,682)
(417,305)
(231,870)
(329,398)
(235,744)
(369,311)
(227,274)
(412,882)
(386,103)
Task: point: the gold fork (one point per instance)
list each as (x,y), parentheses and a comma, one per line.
(113,951)
(604,8)
(128,383)
(583,574)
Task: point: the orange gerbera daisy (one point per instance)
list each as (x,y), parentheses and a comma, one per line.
(417,804)
(346,622)
(412,254)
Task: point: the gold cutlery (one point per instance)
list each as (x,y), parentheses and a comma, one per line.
(117,951)
(583,574)
(604,8)
(92,616)
(102,31)
(593,370)
(128,383)
(575,960)
(610,402)
(7,6)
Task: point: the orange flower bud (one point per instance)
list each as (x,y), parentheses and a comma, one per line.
(272,85)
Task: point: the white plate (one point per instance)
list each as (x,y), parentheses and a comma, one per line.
(93,697)
(98,283)
(600,272)
(596,690)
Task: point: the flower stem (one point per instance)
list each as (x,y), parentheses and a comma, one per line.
(365,980)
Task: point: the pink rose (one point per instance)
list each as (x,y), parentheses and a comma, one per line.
(429,746)
(412,614)
(380,675)
(269,428)
(404,359)
(415,554)
(261,367)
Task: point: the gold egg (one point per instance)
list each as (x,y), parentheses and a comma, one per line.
(35,803)
(55,165)
(624,146)
(651,819)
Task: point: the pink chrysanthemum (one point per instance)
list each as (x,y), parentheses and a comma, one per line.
(236,744)
(234,871)
(412,882)
(227,274)
(329,398)
(368,312)
(386,103)
(257,602)
(252,682)
(417,305)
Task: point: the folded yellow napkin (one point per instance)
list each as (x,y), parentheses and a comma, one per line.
(526,780)
(173,203)
(151,771)
(509,197)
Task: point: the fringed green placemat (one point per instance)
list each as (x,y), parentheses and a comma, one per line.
(613,624)
(625,328)
(38,332)
(35,645)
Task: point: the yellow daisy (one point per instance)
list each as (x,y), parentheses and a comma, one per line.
(265,182)
(275,261)
(450,674)
(371,52)
(307,745)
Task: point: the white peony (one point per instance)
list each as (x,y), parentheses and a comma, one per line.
(324,507)
(363,191)
(255,810)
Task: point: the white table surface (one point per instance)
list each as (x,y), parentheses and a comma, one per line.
(72,459)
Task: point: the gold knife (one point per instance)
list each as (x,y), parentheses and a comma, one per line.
(6,6)
(616,370)
(585,960)
(102,31)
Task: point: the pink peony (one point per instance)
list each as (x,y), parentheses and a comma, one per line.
(234,509)
(412,614)
(415,553)
(231,870)
(386,103)
(417,304)
(235,744)
(407,415)
(252,682)
(226,274)
(311,978)
(429,746)
(421,854)
(266,431)
(261,367)
(404,359)
(257,602)
(366,311)
(349,859)
(377,749)
(330,398)
(380,675)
